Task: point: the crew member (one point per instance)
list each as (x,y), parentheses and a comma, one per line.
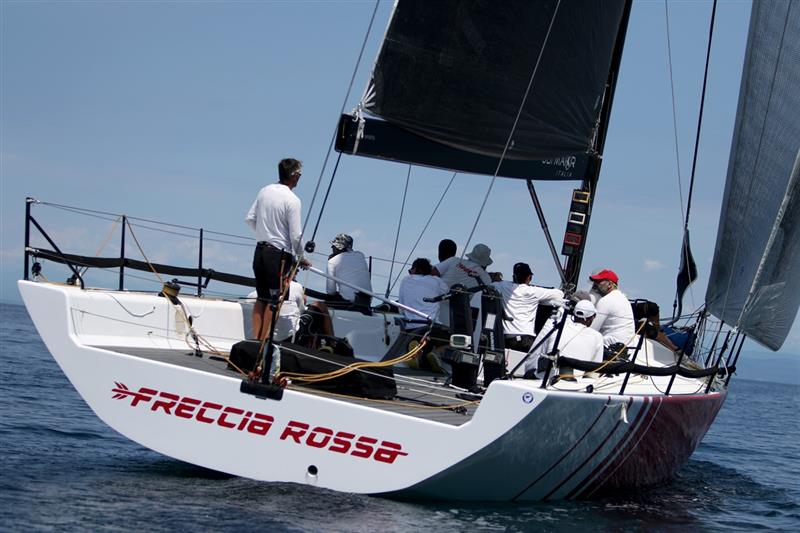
(419,285)
(275,218)
(614,314)
(350,266)
(466,272)
(447,249)
(294,304)
(578,340)
(520,302)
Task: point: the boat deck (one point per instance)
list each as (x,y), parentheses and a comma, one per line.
(419,394)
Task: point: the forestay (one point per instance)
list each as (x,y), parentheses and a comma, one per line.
(755,277)
(451,76)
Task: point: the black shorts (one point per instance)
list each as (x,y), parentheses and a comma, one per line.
(520,343)
(270,265)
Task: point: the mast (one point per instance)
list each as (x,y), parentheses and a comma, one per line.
(576,233)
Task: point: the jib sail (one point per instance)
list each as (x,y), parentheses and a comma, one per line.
(755,277)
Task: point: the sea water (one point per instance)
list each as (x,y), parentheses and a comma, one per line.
(64,470)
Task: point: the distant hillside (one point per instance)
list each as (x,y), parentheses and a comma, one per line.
(767,366)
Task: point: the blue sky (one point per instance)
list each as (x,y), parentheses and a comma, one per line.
(179,112)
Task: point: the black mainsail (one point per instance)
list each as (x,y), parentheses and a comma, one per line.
(451,75)
(755,278)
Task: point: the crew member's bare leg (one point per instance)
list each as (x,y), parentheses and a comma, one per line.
(266,323)
(258,318)
(327,324)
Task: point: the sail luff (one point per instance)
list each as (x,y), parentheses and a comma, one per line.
(791,190)
(755,275)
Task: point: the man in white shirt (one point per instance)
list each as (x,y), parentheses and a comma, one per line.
(520,302)
(292,307)
(578,340)
(614,313)
(457,271)
(350,266)
(417,286)
(275,218)
(466,272)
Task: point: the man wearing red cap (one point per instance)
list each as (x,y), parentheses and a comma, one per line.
(614,318)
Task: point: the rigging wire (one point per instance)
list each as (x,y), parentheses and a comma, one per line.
(674,112)
(700,114)
(397,235)
(104,243)
(324,203)
(421,233)
(333,137)
(111,217)
(513,129)
(684,238)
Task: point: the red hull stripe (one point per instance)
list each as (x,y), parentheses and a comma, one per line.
(589,458)
(564,456)
(644,419)
(619,460)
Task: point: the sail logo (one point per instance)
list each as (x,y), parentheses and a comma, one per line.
(237,419)
(566,162)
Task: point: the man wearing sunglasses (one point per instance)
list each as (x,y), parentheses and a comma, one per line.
(614,318)
(275,219)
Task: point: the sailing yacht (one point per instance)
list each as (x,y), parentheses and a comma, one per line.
(518,91)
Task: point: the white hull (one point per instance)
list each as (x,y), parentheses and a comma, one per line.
(522,442)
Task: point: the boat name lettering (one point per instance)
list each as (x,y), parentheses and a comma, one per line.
(192,408)
(237,419)
(342,442)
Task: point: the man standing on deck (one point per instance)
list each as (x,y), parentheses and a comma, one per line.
(275,218)
(614,313)
(520,303)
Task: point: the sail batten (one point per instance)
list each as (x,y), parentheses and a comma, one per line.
(755,277)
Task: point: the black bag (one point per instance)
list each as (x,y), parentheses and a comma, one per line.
(378,383)
(246,355)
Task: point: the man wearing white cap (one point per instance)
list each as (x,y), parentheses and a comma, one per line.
(578,339)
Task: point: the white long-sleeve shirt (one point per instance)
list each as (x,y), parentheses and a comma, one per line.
(291,308)
(614,318)
(350,267)
(520,303)
(454,270)
(577,341)
(415,288)
(275,217)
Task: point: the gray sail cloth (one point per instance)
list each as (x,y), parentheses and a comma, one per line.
(755,277)
(456,72)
